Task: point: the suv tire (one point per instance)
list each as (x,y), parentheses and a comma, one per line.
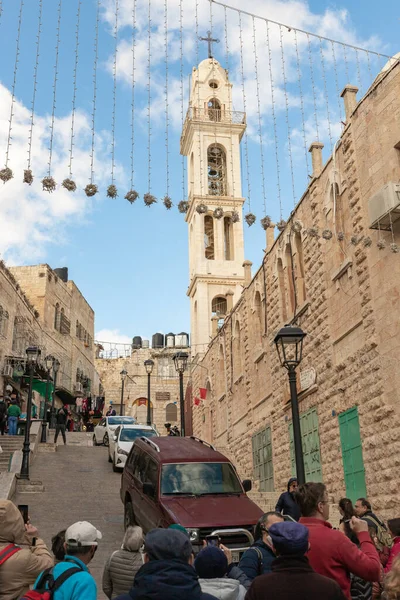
(106,441)
(129,515)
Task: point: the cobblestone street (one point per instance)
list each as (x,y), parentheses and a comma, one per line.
(79,486)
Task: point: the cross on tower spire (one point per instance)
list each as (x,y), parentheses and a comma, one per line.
(210,41)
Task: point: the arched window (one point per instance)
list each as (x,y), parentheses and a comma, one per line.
(258,315)
(209,248)
(171,413)
(214,110)
(216,163)
(221,371)
(237,356)
(192,169)
(57,317)
(228,239)
(299,262)
(289,277)
(3,322)
(281,282)
(219,308)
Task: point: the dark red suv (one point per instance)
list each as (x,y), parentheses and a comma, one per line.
(185,480)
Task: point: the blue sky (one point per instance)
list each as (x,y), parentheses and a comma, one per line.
(130,261)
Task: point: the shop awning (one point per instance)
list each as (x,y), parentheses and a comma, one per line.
(65,396)
(40,386)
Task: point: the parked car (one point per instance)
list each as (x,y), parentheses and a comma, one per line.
(103,431)
(122,441)
(185,480)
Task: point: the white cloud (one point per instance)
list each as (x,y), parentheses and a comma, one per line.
(114,336)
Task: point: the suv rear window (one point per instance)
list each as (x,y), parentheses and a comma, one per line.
(128,435)
(199,479)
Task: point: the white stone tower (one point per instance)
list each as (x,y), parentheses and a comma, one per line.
(211,140)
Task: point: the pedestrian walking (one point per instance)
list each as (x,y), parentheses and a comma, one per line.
(257,560)
(3,416)
(292,576)
(61,420)
(23,555)
(394,529)
(122,566)
(211,565)
(71,577)
(13,414)
(287,504)
(331,553)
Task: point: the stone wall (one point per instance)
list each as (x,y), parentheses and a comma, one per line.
(344,290)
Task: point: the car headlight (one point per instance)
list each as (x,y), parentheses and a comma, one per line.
(193,534)
(121,451)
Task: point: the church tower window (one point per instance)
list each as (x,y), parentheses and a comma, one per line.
(216,160)
(214,110)
(219,308)
(228,239)
(209,247)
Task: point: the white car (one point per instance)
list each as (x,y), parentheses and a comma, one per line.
(122,441)
(105,429)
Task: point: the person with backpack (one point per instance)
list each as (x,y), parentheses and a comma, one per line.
(70,579)
(23,555)
(377,529)
(257,560)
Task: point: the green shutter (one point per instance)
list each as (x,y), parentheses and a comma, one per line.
(310,443)
(353,464)
(262,459)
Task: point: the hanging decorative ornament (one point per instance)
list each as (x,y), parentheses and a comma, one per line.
(131,196)
(281,225)
(235,218)
(340,236)
(112,191)
(367,241)
(218,213)
(6,174)
(327,234)
(394,248)
(202,209)
(297,226)
(381,244)
(313,232)
(250,219)
(28,177)
(149,199)
(69,185)
(167,202)
(266,222)
(48,184)
(183,206)
(354,240)
(91,190)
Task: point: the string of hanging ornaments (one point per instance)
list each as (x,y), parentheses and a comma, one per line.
(287,79)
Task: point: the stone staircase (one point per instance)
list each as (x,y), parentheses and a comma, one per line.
(9,444)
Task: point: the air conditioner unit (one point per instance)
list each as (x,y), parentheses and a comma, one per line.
(78,387)
(8,371)
(384,207)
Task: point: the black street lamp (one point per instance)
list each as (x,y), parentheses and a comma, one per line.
(49,365)
(32,357)
(148,364)
(56,367)
(123,377)
(181,360)
(289,344)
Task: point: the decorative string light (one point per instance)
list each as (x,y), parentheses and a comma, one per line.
(337,81)
(69,184)
(218,212)
(246,143)
(360,85)
(321,52)
(181,88)
(133,195)
(287,114)
(346,64)
(112,191)
(260,128)
(91,189)
(148,198)
(167,200)
(303,121)
(197,111)
(6,174)
(28,177)
(313,86)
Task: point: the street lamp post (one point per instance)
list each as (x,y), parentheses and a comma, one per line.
(148,364)
(49,365)
(289,344)
(56,367)
(123,377)
(32,357)
(180,360)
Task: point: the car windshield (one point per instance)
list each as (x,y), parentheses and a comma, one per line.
(199,479)
(129,435)
(119,420)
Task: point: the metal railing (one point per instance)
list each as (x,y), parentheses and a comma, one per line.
(213,115)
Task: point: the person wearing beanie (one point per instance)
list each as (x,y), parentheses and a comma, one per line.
(287,504)
(292,575)
(211,566)
(179,528)
(167,573)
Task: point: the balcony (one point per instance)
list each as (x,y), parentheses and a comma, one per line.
(213,116)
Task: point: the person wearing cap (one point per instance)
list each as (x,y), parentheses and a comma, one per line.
(167,573)
(287,504)
(292,576)
(81,540)
(211,566)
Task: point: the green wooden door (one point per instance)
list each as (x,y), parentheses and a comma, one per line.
(353,464)
(310,443)
(262,459)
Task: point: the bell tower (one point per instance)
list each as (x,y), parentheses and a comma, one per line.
(211,140)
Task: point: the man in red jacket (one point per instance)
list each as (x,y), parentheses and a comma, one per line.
(331,553)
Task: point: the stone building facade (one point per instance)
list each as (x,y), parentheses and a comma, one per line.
(164,385)
(334,271)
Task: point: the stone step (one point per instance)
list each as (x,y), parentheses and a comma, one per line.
(29,486)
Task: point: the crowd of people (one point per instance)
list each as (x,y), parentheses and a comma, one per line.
(293,557)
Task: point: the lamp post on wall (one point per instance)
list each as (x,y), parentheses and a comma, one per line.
(49,360)
(148,364)
(56,367)
(32,357)
(180,359)
(289,344)
(123,377)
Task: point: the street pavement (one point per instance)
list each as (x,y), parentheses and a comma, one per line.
(79,486)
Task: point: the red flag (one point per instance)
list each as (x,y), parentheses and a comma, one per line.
(203,393)
(196,401)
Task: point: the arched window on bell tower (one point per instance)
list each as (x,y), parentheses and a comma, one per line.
(209,245)
(219,308)
(228,239)
(216,168)
(214,110)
